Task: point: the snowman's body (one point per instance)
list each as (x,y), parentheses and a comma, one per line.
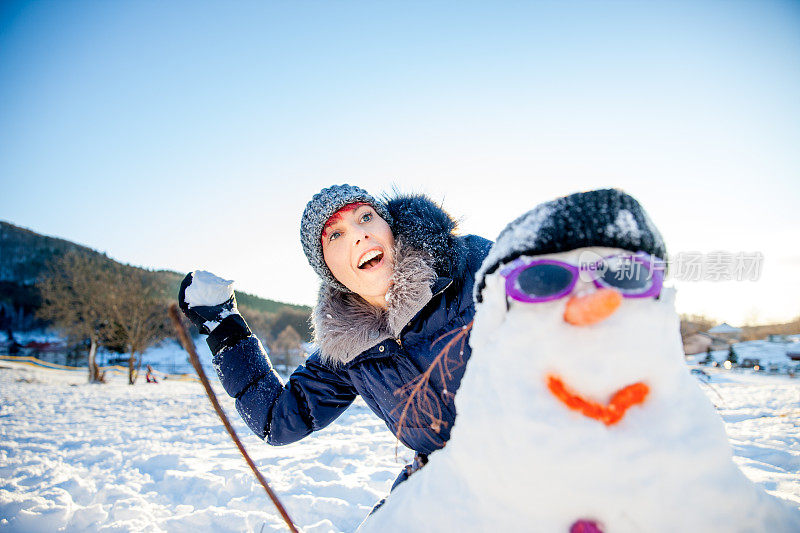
(520,459)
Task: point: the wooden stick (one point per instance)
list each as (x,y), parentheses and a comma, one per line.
(188,345)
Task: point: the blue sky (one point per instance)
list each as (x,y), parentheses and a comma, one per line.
(190,135)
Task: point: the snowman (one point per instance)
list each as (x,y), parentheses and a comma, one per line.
(577,412)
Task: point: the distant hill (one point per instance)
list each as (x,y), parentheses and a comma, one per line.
(24,255)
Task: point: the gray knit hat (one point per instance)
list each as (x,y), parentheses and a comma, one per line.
(317,212)
(605,217)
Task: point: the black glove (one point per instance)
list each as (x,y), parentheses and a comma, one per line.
(231,326)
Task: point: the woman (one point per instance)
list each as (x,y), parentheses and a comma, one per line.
(396,287)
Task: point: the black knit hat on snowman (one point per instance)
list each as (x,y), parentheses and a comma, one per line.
(605,217)
(317,212)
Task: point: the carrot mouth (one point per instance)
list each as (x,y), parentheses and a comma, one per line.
(610,413)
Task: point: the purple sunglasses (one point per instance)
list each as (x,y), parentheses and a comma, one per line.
(542,280)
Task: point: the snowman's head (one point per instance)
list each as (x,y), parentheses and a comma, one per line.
(602,218)
(575,289)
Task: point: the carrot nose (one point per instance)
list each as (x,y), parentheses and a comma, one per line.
(592,308)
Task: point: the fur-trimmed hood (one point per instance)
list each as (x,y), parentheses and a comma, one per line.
(426,248)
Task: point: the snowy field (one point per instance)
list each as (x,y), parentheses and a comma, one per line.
(79,457)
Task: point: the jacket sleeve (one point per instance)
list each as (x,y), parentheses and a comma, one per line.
(314,396)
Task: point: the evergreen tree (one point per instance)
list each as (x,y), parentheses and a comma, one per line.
(709,358)
(732,357)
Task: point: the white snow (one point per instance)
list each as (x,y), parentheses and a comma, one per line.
(762,351)
(624,226)
(114,457)
(155,457)
(208,289)
(762,416)
(23,337)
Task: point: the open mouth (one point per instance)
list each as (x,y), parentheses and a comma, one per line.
(370,259)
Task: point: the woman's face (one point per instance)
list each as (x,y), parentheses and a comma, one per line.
(358,247)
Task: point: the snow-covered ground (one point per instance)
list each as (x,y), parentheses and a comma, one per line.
(79,457)
(762,352)
(762,418)
(167,356)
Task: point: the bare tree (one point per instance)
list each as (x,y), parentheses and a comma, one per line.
(73,291)
(299,320)
(287,343)
(691,324)
(260,323)
(138,313)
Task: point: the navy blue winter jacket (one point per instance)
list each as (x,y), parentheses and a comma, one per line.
(370,353)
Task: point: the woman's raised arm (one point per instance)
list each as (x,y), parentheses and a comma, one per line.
(315,395)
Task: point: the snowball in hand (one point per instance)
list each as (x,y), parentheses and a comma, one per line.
(207,289)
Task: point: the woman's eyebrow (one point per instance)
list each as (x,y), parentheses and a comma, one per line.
(330,227)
